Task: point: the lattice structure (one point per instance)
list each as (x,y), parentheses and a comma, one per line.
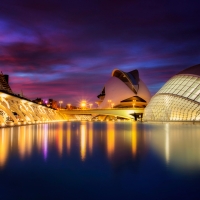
(14,110)
(4,115)
(83,117)
(177,100)
(4,86)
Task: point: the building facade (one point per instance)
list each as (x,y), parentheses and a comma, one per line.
(178,99)
(124,90)
(16,109)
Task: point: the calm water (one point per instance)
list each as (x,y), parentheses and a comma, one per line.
(100,160)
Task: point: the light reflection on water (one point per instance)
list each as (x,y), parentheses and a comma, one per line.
(178,146)
(24,140)
(100,160)
(83,141)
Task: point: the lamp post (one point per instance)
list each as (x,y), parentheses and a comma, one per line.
(109,101)
(134,101)
(90,105)
(60,102)
(68,105)
(83,104)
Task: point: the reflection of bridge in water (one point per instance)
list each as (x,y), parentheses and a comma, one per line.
(28,141)
(127,113)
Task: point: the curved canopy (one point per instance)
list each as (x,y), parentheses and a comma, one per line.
(191,70)
(131,79)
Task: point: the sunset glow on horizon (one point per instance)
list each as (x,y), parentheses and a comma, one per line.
(68,49)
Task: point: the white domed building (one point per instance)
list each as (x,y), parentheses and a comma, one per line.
(178,99)
(124,90)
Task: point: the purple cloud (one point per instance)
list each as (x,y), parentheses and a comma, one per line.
(68,49)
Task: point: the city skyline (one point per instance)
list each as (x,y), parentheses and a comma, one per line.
(67,50)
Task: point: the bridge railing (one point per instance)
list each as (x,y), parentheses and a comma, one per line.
(107,109)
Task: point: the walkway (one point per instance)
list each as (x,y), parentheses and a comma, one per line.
(118,112)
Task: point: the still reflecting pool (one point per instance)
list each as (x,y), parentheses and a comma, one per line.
(100,160)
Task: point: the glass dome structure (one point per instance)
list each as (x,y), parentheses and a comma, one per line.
(178,99)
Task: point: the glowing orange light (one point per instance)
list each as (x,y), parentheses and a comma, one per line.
(83,142)
(83,104)
(90,137)
(110,139)
(134,140)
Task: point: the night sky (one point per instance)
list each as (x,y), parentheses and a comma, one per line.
(67,49)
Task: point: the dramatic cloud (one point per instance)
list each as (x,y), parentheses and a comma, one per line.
(67,49)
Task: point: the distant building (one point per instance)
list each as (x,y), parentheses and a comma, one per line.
(124,90)
(53,104)
(50,103)
(38,101)
(5,87)
(4,83)
(178,99)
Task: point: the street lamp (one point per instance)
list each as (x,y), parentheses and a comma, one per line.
(60,102)
(134,101)
(83,104)
(90,105)
(68,105)
(109,101)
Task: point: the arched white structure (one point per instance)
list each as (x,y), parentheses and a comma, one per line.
(178,99)
(16,110)
(126,113)
(124,90)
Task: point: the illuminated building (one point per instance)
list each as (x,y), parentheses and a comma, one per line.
(124,90)
(53,104)
(50,103)
(4,84)
(38,101)
(15,109)
(178,99)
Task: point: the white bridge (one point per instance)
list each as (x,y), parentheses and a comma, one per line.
(17,110)
(127,113)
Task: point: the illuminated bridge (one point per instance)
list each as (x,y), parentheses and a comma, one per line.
(16,109)
(127,113)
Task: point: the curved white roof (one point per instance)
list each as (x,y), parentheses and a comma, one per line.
(178,99)
(115,91)
(124,85)
(192,70)
(130,78)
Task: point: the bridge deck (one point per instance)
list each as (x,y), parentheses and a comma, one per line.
(121,112)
